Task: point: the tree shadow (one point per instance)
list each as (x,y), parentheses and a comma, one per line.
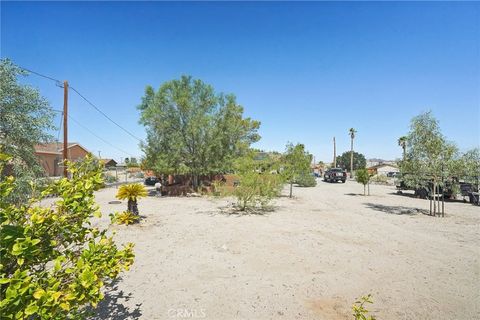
(235,210)
(398,210)
(354,194)
(112,307)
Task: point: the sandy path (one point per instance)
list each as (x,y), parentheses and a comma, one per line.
(309,259)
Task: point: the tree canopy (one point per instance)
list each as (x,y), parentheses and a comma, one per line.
(25,120)
(296,162)
(359,161)
(191,129)
(428,155)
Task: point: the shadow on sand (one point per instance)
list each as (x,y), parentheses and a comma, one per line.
(399,210)
(112,306)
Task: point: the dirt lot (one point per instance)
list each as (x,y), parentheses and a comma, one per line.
(309,259)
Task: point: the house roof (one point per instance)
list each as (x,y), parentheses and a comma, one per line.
(56,147)
(382,165)
(107,160)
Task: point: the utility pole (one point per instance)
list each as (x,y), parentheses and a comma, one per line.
(334,153)
(99,157)
(65,127)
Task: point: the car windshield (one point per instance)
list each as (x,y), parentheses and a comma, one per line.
(337,170)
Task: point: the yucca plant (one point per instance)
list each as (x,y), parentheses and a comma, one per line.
(132,192)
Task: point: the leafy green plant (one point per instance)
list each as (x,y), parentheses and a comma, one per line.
(132,192)
(306,180)
(53,263)
(362,176)
(256,188)
(295,162)
(125,217)
(218,188)
(359,310)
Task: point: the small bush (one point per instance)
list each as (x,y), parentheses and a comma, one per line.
(53,262)
(379,178)
(110,179)
(306,180)
(255,189)
(125,217)
(218,188)
(359,310)
(362,176)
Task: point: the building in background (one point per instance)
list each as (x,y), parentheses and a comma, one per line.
(382,169)
(109,163)
(50,156)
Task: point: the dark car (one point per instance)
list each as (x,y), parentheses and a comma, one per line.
(150,181)
(335,175)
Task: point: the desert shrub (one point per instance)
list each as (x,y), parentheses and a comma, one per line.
(362,176)
(110,179)
(125,217)
(132,192)
(255,188)
(53,263)
(218,188)
(359,310)
(379,178)
(306,180)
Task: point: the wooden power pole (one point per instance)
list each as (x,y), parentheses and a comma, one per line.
(334,153)
(65,128)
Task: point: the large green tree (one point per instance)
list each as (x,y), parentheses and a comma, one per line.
(344,160)
(193,130)
(296,162)
(25,120)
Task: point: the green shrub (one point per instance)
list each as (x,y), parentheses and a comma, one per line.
(306,180)
(362,176)
(359,310)
(110,179)
(53,263)
(379,178)
(255,188)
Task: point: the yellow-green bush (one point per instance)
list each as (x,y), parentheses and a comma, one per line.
(125,217)
(53,263)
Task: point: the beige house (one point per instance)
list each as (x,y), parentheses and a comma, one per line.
(50,156)
(383,169)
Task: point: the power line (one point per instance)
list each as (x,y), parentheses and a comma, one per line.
(98,137)
(57,82)
(60,84)
(102,113)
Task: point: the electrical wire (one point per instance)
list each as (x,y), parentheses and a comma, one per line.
(59,83)
(103,113)
(98,137)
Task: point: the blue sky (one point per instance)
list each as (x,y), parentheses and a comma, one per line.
(308,71)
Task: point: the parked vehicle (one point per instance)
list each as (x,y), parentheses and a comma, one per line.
(335,175)
(150,181)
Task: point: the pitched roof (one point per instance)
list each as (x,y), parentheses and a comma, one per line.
(383,165)
(55,147)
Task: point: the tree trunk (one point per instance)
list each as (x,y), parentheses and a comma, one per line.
(364,190)
(132,206)
(291,187)
(351,159)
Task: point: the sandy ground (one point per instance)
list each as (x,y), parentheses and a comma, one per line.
(309,259)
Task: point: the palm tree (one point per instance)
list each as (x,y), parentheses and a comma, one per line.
(402,142)
(132,192)
(352,132)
